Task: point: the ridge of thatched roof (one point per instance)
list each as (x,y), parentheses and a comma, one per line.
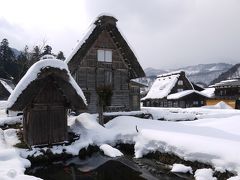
(108,23)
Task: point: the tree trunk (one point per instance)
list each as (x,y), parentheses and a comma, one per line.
(100,112)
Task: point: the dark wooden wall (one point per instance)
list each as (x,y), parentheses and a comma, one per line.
(228,92)
(92,74)
(186,84)
(192,100)
(45,119)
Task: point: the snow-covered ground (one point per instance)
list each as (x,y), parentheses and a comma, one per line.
(213,138)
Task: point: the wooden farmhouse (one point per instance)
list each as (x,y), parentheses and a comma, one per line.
(173,90)
(227,91)
(6,87)
(103,65)
(44,95)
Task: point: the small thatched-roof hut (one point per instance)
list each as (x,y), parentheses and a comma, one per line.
(44,94)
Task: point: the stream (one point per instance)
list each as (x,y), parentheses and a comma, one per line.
(100,167)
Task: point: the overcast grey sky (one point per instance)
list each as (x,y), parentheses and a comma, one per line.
(162,33)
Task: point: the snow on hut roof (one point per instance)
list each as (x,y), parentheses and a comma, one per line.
(183,94)
(162,86)
(33,73)
(6,85)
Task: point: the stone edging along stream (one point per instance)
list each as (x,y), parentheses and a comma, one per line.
(128,149)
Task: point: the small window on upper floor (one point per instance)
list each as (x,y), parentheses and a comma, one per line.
(104,55)
(180,82)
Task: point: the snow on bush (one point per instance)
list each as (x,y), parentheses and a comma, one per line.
(10,120)
(110,151)
(204,174)
(180,168)
(12,166)
(10,136)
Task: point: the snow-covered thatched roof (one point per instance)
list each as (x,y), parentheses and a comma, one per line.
(33,80)
(229,82)
(185,93)
(162,86)
(105,23)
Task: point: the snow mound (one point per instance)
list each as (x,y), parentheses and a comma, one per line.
(204,174)
(220,105)
(12,166)
(10,120)
(234,178)
(10,136)
(90,131)
(181,168)
(110,151)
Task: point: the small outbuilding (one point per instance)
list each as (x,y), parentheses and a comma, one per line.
(227,91)
(44,95)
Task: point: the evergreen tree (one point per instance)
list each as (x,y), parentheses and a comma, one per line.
(23,64)
(61,56)
(47,50)
(7,58)
(35,55)
(6,54)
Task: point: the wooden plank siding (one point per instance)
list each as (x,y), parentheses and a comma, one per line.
(91,74)
(230,102)
(45,119)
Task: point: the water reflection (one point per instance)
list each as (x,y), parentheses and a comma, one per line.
(96,167)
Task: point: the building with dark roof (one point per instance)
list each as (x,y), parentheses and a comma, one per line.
(103,64)
(227,91)
(173,90)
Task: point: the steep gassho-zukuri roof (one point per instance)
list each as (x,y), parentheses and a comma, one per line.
(33,74)
(108,23)
(162,86)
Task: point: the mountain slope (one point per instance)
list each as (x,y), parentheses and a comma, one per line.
(201,73)
(233,72)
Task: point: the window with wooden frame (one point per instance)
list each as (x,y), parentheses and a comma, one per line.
(104,55)
(180,82)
